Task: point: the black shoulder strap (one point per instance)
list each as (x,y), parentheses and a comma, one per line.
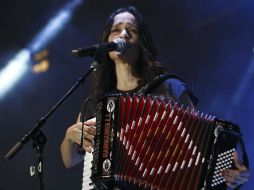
(152,85)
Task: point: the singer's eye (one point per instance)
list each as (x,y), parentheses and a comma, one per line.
(115,30)
(133,30)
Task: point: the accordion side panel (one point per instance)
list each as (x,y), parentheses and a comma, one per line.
(103,166)
(226,134)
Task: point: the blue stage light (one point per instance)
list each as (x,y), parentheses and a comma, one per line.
(19,65)
(14,70)
(53,27)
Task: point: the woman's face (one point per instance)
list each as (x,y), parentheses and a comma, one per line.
(125,27)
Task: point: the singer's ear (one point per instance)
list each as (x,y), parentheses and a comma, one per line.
(100,54)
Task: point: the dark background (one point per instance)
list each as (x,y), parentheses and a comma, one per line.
(209,44)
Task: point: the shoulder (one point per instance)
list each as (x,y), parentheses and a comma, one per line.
(172,86)
(180,91)
(176,86)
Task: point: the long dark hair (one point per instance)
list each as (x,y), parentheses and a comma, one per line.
(147,66)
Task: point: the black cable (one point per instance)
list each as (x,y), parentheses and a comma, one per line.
(82,119)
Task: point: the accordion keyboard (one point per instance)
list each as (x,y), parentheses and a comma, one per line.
(87,172)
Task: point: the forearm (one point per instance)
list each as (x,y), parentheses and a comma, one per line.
(69,152)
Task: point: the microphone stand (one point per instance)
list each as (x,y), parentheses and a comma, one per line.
(36,135)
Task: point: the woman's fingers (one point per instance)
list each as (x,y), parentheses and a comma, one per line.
(88,127)
(87,136)
(88,146)
(91,122)
(90,130)
(234,176)
(238,163)
(238,176)
(232,184)
(74,133)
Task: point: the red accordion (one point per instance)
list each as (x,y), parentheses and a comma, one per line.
(146,142)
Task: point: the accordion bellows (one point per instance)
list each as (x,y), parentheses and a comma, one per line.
(146,142)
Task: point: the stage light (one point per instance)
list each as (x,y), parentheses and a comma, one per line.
(54,26)
(19,65)
(242,87)
(14,70)
(244,83)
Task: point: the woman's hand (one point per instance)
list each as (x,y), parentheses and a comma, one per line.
(75,131)
(235,177)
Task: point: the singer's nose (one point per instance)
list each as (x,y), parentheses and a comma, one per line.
(125,34)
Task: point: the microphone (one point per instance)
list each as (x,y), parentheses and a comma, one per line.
(117,45)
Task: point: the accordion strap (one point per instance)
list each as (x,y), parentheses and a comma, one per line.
(151,86)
